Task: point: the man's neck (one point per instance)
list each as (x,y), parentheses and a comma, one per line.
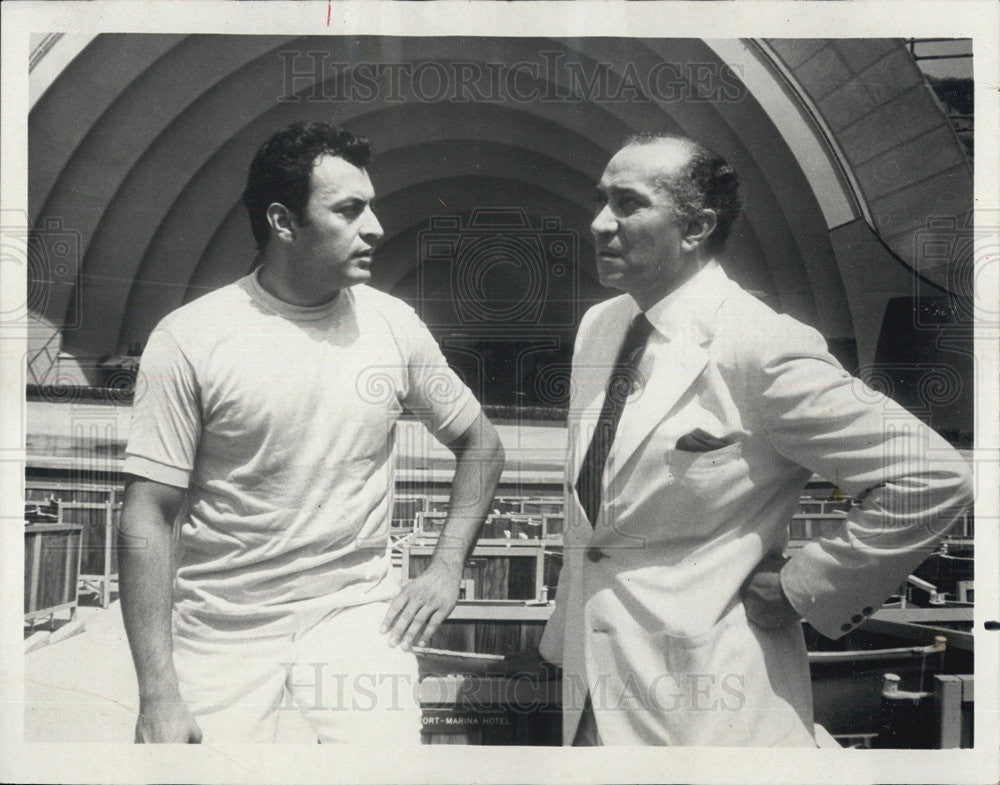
(277,282)
(649,297)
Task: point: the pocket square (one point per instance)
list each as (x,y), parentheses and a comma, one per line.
(701,441)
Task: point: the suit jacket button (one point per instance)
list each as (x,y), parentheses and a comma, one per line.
(596,554)
(845,627)
(867,611)
(857,617)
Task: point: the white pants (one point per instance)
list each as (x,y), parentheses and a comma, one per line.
(340,674)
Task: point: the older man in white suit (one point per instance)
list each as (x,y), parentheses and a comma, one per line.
(677,619)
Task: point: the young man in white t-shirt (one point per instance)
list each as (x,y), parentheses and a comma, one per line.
(264,417)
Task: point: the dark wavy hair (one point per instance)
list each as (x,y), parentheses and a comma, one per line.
(707,180)
(281,170)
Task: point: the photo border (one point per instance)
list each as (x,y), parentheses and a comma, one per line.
(251,763)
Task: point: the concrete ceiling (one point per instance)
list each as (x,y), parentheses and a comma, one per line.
(138,148)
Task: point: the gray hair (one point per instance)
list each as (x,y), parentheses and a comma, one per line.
(706,181)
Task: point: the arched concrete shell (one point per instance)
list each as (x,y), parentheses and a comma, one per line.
(138,148)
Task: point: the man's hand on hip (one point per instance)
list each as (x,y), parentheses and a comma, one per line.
(166,721)
(765,601)
(421,606)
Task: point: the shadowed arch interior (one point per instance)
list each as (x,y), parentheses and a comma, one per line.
(140,148)
(174,248)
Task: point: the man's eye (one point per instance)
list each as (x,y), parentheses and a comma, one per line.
(628,204)
(352,210)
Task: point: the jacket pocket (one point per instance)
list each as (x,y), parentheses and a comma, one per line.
(735,615)
(728,686)
(687,462)
(707,490)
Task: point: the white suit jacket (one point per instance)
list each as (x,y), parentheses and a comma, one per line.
(648,619)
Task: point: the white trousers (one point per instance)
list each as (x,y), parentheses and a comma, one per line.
(341,674)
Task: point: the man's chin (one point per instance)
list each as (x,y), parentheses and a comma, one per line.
(354,278)
(611,280)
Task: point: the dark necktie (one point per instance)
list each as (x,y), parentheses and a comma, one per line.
(623,380)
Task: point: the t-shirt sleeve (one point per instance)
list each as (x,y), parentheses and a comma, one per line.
(435,393)
(166,414)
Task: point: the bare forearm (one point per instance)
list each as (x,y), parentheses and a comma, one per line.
(426,601)
(477,472)
(146,579)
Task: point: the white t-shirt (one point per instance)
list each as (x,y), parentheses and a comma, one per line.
(279,420)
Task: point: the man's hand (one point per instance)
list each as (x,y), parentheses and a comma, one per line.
(418,610)
(166,721)
(765,600)
(426,601)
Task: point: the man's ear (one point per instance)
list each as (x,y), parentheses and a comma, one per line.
(698,229)
(282,221)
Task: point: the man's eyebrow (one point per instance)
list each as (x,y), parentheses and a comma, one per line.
(622,190)
(351,199)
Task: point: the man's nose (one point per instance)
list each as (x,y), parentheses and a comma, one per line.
(604,222)
(371,230)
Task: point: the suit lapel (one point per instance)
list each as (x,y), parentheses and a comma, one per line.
(674,358)
(672,362)
(591,370)
(673,367)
